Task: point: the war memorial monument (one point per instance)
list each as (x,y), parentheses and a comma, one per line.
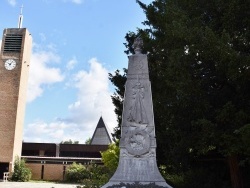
(137,162)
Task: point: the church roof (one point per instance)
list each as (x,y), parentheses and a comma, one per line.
(101,135)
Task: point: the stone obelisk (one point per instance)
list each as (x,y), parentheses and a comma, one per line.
(137,161)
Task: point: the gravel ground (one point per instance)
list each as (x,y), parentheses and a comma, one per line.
(35,185)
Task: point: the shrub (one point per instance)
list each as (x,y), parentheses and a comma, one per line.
(77,173)
(21,172)
(99,175)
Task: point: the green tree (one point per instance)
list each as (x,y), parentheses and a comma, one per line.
(199,68)
(118,79)
(88,141)
(21,173)
(69,142)
(110,157)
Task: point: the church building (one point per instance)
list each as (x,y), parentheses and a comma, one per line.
(49,161)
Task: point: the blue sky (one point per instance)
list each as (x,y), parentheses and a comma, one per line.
(76,43)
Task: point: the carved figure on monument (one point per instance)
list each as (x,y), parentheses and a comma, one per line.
(138,112)
(138,43)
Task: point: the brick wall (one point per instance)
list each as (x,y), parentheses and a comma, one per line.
(36,170)
(23,86)
(53,172)
(13,87)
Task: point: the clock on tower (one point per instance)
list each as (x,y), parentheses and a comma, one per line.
(14,69)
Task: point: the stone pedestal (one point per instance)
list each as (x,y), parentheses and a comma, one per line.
(137,162)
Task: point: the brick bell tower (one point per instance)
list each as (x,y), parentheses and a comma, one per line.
(14,70)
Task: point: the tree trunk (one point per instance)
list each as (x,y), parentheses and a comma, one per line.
(236,178)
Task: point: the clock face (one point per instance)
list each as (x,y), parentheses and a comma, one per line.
(10,64)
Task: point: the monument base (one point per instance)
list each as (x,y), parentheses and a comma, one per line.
(136,185)
(137,172)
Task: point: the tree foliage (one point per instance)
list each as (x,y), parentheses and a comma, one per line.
(110,157)
(76,173)
(118,79)
(21,172)
(69,142)
(99,176)
(91,175)
(88,141)
(199,67)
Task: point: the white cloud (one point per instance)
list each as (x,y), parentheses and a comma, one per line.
(41,74)
(42,37)
(93,100)
(54,132)
(77,1)
(74,1)
(12,2)
(71,64)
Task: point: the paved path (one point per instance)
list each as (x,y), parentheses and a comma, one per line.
(35,185)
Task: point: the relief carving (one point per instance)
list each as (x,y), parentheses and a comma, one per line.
(138,66)
(137,142)
(137,111)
